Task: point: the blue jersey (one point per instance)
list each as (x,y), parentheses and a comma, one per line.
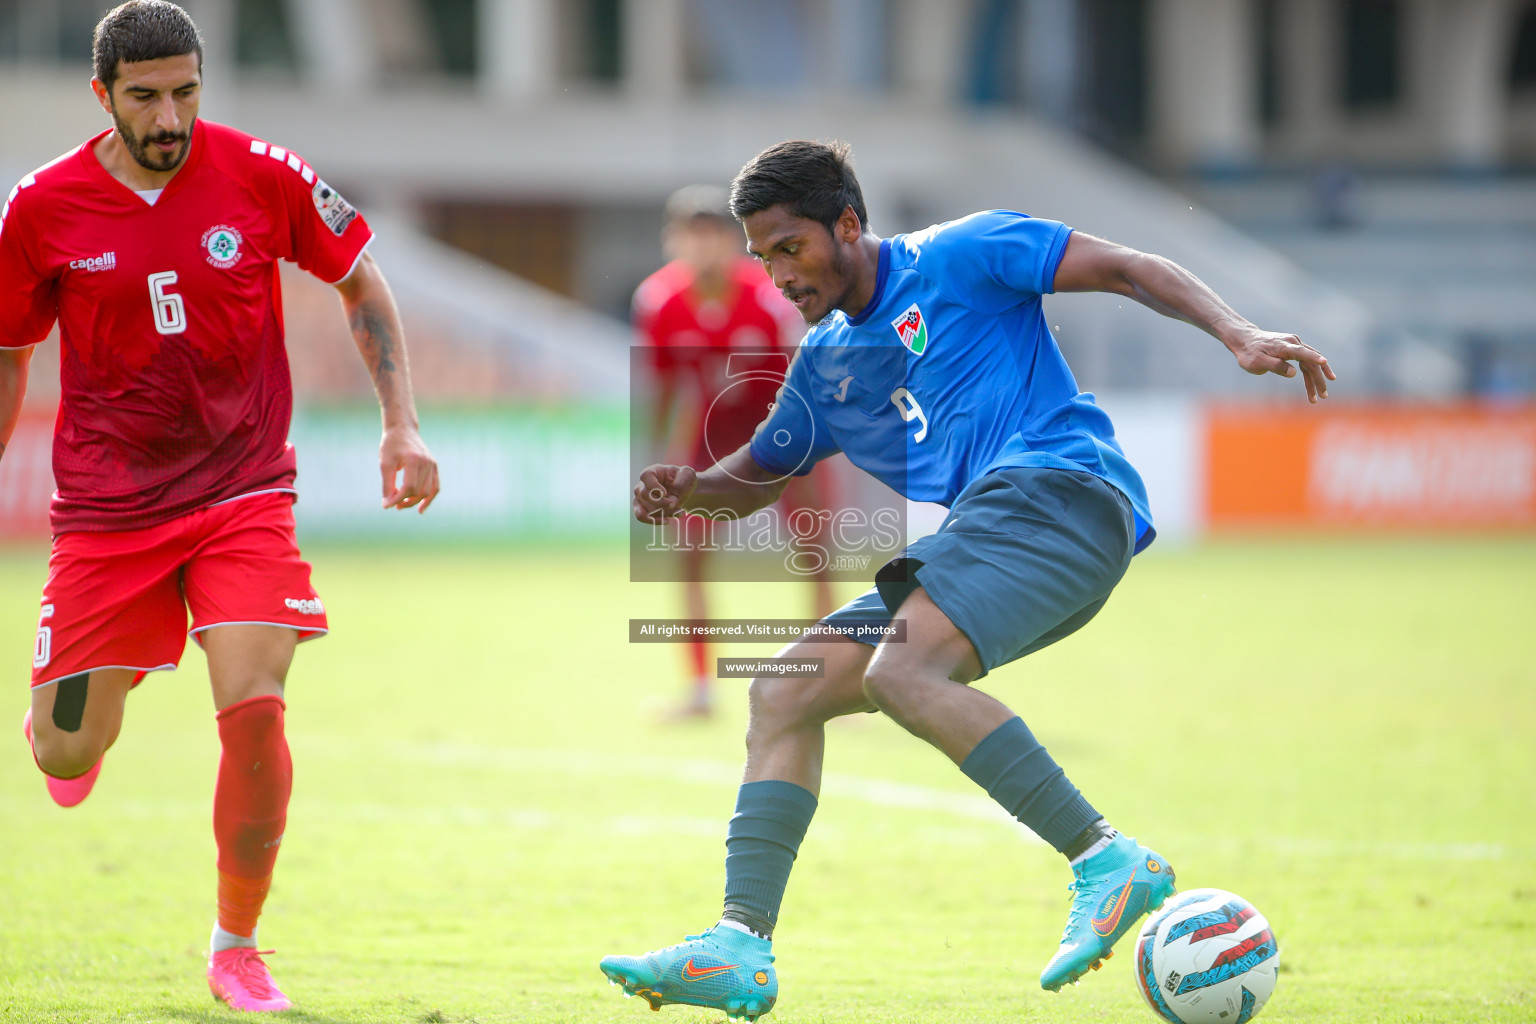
(949,372)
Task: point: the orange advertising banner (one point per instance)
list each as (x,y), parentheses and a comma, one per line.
(26,477)
(1386,466)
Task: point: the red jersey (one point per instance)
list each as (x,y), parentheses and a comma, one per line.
(693,342)
(174,380)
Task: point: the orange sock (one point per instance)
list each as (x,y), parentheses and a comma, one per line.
(240,901)
(698,655)
(250,807)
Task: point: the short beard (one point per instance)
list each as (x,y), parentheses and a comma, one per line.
(840,270)
(139,148)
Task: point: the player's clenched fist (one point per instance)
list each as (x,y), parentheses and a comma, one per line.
(663,491)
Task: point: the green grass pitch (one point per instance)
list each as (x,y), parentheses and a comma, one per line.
(1343,732)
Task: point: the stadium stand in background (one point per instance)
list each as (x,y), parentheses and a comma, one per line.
(1359,173)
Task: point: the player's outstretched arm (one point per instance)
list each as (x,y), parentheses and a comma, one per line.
(14,363)
(1094,265)
(736,486)
(375,324)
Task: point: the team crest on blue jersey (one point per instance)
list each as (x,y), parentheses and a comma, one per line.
(912,329)
(222,244)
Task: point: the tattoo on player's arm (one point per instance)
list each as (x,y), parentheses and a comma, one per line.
(375,333)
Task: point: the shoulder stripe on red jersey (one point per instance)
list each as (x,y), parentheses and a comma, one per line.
(286,156)
(26,182)
(29,181)
(334,211)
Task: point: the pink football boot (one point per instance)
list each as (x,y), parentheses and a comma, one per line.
(65,792)
(238,977)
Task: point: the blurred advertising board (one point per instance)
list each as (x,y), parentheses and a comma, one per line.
(1371,466)
(563,472)
(26,476)
(507,472)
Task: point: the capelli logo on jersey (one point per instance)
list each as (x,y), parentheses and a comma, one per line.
(305,605)
(91,264)
(222,244)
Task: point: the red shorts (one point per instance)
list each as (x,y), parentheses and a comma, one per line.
(120,599)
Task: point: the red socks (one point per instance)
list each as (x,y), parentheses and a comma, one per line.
(250,807)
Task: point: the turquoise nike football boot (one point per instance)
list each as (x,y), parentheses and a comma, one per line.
(1111,891)
(723,969)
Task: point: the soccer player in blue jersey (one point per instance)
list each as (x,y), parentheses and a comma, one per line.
(930,366)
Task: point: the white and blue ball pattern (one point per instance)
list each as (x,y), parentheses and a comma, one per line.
(1208,957)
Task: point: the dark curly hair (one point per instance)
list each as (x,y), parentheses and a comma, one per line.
(142,30)
(814,179)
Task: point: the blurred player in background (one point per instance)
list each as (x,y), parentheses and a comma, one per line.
(717,332)
(930,365)
(155,246)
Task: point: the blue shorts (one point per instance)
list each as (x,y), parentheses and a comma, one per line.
(1025,557)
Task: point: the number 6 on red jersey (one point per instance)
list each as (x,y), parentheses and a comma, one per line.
(170,312)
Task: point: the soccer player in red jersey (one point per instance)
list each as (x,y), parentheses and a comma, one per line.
(155,246)
(719,337)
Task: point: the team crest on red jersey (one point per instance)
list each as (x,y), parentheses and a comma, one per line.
(222,245)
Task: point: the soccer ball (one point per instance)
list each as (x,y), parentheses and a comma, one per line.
(1208,957)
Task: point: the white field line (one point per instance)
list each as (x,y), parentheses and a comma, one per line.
(878,792)
(528,819)
(513,819)
(1328,848)
(517,821)
(593,764)
(926,800)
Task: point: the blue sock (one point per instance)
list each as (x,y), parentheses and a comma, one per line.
(760,846)
(1017,772)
